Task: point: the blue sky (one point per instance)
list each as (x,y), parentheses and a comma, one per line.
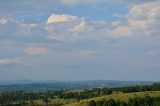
(80,39)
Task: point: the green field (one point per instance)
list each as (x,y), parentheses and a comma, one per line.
(116,96)
(120,96)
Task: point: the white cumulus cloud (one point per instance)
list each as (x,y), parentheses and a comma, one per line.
(64,27)
(142,19)
(58,18)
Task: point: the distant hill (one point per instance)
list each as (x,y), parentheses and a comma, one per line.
(28,85)
(24,81)
(10,82)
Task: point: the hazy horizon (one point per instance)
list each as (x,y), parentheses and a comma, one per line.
(47,80)
(78,40)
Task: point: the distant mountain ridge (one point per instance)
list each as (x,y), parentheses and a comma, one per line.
(11,82)
(26,81)
(29,85)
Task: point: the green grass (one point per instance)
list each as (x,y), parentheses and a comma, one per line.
(120,96)
(55,101)
(116,96)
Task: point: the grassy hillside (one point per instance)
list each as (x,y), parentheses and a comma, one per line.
(115,96)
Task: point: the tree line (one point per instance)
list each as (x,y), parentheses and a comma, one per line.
(95,92)
(136,101)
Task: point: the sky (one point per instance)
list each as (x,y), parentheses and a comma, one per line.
(80,40)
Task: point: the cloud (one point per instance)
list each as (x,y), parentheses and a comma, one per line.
(154,53)
(64,27)
(145,17)
(77,54)
(117,15)
(142,19)
(34,50)
(59,18)
(86,53)
(5,20)
(122,31)
(9,61)
(22,30)
(80,27)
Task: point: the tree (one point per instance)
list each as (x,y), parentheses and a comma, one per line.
(111,102)
(92,103)
(99,103)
